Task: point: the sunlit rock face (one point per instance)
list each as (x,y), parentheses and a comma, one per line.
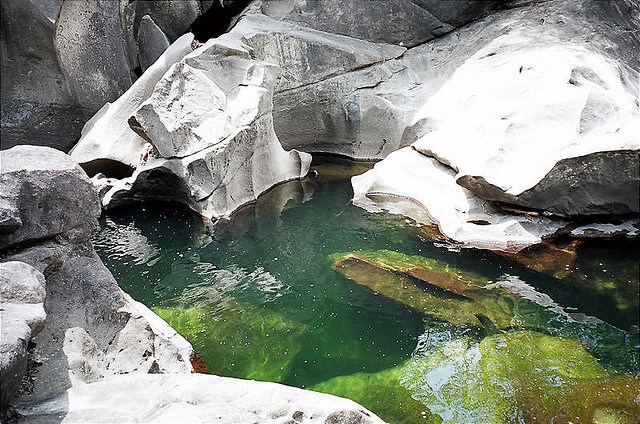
(528,112)
(57,296)
(196,398)
(552,127)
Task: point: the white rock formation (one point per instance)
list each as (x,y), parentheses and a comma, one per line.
(518,107)
(194,398)
(107,134)
(417,186)
(521,108)
(210,131)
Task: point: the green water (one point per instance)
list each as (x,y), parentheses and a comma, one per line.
(265,296)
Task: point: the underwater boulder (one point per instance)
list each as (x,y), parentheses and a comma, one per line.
(246,340)
(517,375)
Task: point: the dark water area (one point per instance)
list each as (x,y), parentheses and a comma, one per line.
(304,289)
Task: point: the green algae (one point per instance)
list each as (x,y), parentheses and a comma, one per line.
(380,391)
(236,339)
(516,376)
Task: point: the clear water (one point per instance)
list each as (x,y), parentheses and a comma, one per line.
(258,298)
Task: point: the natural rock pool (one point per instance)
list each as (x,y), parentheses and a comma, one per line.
(305,289)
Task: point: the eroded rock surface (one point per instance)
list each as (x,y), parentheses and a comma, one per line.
(195,398)
(204,136)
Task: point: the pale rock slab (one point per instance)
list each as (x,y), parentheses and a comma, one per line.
(411,184)
(194,398)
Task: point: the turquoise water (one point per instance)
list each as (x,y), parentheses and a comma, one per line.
(273,295)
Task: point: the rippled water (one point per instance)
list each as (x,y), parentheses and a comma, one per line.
(305,289)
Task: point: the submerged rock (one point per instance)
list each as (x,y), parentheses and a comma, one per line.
(516,375)
(235,343)
(380,388)
(440,291)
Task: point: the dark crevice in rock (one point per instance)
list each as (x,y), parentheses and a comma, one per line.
(216,20)
(108,167)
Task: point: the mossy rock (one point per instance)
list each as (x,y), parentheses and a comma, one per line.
(245,341)
(518,376)
(380,391)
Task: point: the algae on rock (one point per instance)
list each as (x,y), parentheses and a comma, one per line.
(245,341)
(381,388)
(514,376)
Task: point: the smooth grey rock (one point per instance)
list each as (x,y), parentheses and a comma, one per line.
(406,22)
(44,193)
(348,115)
(194,398)
(37,107)
(22,316)
(95,75)
(305,55)
(173,17)
(152,42)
